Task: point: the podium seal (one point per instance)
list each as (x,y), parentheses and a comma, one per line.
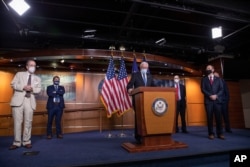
(159,106)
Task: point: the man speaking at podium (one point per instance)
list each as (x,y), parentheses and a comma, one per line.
(138,79)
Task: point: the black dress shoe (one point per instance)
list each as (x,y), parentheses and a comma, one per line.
(211,137)
(222,137)
(229,131)
(59,136)
(49,137)
(13,147)
(184,131)
(28,146)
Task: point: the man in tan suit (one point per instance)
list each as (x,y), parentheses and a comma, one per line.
(23,103)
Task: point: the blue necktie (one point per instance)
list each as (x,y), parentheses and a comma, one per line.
(144,78)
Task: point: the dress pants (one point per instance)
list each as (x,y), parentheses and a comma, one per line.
(214,109)
(55,112)
(22,114)
(181,109)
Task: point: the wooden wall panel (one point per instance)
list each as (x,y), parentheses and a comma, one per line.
(79,87)
(196,115)
(245,94)
(90,87)
(6,126)
(6,123)
(236,115)
(39,125)
(5,92)
(5,87)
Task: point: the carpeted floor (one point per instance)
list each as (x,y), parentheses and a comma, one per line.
(95,148)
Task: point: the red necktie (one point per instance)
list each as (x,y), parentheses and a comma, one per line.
(211,80)
(177,92)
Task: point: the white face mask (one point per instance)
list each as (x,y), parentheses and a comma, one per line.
(32,69)
(176,80)
(144,71)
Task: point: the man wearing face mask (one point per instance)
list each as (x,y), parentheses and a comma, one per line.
(23,103)
(55,106)
(180,104)
(138,79)
(212,88)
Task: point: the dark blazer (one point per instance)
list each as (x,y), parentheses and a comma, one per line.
(226,92)
(51,92)
(137,81)
(208,89)
(182,92)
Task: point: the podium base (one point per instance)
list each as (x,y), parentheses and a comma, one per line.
(154,143)
(133,148)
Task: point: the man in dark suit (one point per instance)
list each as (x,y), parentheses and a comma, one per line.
(180,104)
(138,79)
(212,88)
(55,105)
(225,103)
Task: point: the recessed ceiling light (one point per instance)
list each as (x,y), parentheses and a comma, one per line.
(216,32)
(20,6)
(90,31)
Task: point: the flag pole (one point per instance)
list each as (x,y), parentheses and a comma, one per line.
(110,135)
(122,134)
(111,48)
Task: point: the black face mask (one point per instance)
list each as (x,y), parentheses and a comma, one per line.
(56,82)
(208,72)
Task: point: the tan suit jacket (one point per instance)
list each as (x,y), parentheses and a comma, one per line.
(19,81)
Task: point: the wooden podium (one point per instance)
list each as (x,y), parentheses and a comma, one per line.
(155,116)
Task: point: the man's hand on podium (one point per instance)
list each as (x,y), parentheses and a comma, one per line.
(130,91)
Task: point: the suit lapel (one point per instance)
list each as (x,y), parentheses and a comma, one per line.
(148,78)
(24,78)
(140,76)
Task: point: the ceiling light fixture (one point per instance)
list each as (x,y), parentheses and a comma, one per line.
(122,48)
(161,41)
(216,32)
(112,47)
(90,31)
(20,6)
(88,36)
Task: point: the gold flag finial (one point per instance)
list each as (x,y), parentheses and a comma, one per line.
(111,48)
(122,49)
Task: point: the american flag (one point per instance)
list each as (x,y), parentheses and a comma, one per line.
(110,90)
(135,66)
(126,104)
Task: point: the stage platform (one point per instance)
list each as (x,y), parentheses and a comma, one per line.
(105,149)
